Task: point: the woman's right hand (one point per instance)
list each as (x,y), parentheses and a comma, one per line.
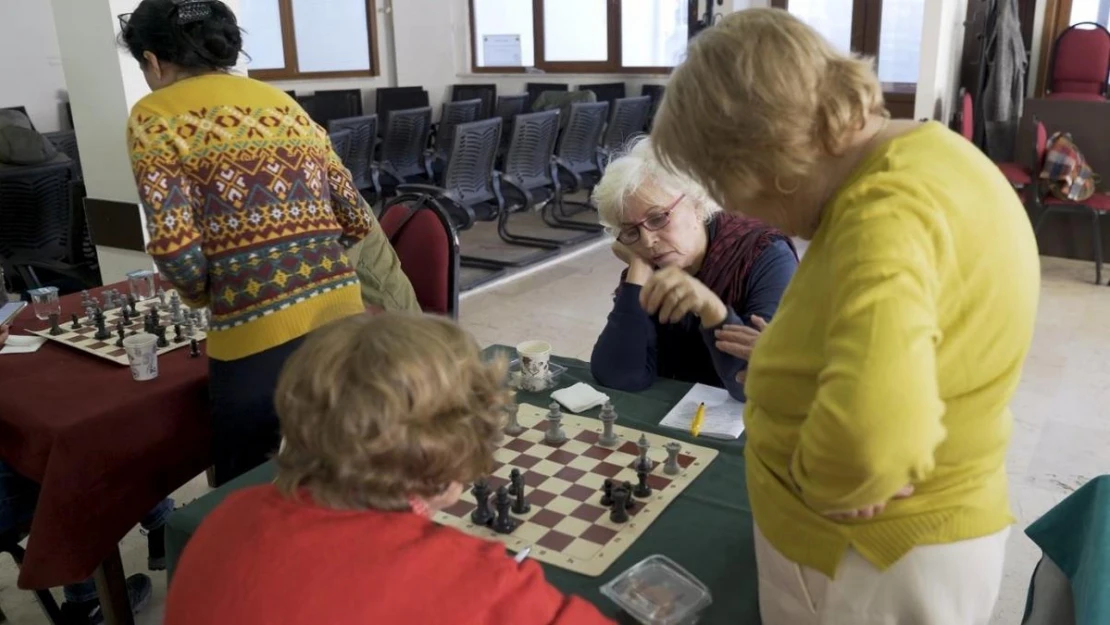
(638,269)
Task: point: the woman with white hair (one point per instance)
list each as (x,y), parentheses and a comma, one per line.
(700,284)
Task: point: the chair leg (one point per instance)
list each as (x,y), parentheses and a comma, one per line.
(46,599)
(517,239)
(1097,242)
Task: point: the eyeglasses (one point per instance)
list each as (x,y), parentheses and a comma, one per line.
(123,19)
(656,221)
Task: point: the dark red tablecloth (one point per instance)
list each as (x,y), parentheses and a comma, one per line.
(104,448)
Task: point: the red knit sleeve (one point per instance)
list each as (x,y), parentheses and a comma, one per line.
(524,597)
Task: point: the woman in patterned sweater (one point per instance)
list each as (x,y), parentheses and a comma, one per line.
(246,205)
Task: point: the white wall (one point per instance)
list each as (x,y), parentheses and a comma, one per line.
(30,62)
(941,50)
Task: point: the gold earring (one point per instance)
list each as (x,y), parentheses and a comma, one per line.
(790,191)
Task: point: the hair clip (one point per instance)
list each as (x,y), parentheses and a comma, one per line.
(189,11)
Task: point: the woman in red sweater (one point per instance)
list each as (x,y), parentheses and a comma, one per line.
(384,417)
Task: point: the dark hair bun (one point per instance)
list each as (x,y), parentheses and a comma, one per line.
(210,42)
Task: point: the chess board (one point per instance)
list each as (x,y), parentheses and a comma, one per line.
(82,338)
(567,525)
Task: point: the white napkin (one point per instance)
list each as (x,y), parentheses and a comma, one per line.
(22,344)
(580,397)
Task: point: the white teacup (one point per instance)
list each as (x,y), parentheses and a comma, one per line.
(535,361)
(142,355)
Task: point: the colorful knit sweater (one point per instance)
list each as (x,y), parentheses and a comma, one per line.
(246,203)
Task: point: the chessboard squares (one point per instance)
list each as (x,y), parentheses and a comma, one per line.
(592,481)
(581,549)
(658,482)
(607,469)
(578,492)
(599,534)
(540,498)
(561,456)
(570,474)
(588,437)
(524,461)
(496,481)
(685,460)
(574,447)
(551,484)
(541,471)
(629,447)
(562,505)
(546,518)
(590,513)
(518,445)
(461,508)
(572,526)
(555,541)
(598,453)
(583,463)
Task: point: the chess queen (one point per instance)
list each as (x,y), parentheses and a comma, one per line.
(877,416)
(230,171)
(384,419)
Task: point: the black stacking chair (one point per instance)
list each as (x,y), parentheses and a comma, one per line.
(307,102)
(66,142)
(389,99)
(364,132)
(19,109)
(341,143)
(508,107)
(655,92)
(403,158)
(628,120)
(606,92)
(529,177)
(338,104)
(486,93)
(578,164)
(454,113)
(534,89)
(470,189)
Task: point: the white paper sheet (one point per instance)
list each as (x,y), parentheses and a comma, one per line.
(724,416)
(22,344)
(501,50)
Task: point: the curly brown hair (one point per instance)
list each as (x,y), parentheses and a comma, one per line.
(377,408)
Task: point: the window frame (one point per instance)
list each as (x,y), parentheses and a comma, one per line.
(613,65)
(291,71)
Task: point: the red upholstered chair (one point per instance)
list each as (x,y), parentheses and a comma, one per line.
(424,238)
(1096,206)
(966,116)
(1080,63)
(1019,176)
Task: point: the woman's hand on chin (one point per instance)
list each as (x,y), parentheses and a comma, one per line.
(671,294)
(639,270)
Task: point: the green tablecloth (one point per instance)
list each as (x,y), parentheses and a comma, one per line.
(707,529)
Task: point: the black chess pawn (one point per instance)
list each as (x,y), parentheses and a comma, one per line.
(194,348)
(504,523)
(607,493)
(482,515)
(642,489)
(520,504)
(629,503)
(55,329)
(102,332)
(75,322)
(121,333)
(177,335)
(618,512)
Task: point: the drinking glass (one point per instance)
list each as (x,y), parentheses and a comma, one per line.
(45,300)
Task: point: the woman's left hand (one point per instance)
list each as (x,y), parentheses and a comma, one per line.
(671,293)
(869,512)
(739,341)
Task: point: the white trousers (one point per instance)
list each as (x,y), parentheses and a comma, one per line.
(952,584)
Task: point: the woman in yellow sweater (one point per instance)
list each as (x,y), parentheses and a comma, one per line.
(877,414)
(246,204)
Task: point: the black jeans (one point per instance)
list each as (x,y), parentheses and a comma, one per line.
(245,428)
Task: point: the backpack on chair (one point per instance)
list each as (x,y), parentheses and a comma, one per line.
(1067,173)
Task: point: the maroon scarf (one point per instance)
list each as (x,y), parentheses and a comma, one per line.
(734,244)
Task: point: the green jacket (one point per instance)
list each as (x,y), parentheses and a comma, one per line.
(383,283)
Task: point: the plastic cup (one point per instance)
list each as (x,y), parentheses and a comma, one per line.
(142,355)
(45,301)
(535,361)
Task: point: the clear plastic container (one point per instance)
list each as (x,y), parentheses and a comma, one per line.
(657,591)
(519,381)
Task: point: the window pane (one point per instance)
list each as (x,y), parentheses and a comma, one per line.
(331,35)
(900,40)
(653,32)
(831,18)
(575,30)
(501,27)
(1084,11)
(261,20)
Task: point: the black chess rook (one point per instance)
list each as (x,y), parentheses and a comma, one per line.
(517,487)
(618,511)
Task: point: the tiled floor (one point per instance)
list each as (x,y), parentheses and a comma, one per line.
(1061,430)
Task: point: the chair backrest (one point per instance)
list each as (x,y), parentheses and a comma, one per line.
(579,143)
(531,148)
(337,104)
(66,142)
(534,89)
(655,92)
(562,100)
(967,116)
(35,210)
(629,118)
(469,175)
(509,106)
(455,113)
(20,109)
(80,250)
(389,99)
(405,137)
(364,132)
(1080,60)
(486,93)
(307,103)
(427,245)
(341,143)
(1040,146)
(606,92)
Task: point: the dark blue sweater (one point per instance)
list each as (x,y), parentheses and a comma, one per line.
(634,348)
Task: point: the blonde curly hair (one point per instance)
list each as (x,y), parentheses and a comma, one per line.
(377,408)
(759,99)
